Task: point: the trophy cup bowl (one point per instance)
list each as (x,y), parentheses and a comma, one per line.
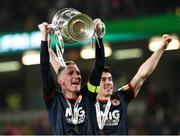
(72,25)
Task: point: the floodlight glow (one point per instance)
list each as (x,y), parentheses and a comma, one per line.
(128,54)
(10,66)
(89,53)
(31,58)
(155,42)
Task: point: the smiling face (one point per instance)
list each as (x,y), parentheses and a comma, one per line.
(70,79)
(106,84)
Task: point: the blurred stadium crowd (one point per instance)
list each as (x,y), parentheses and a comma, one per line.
(154,114)
(18,15)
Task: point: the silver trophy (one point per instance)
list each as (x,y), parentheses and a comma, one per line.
(70,25)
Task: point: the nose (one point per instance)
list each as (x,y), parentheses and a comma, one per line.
(77,75)
(107,81)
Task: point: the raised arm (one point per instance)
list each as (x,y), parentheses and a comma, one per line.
(47,79)
(149,65)
(96,72)
(54,61)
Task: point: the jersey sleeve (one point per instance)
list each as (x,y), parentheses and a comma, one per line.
(127,91)
(47,78)
(93,84)
(85,92)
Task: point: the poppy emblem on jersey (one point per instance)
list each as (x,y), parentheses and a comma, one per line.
(115,102)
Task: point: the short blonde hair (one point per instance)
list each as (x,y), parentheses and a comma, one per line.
(60,69)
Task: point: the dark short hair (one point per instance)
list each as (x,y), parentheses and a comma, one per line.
(60,69)
(106,69)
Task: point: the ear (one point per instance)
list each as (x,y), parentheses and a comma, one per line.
(60,81)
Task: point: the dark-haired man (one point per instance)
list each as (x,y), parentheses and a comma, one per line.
(111,107)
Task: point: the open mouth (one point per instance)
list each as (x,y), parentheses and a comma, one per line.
(75,83)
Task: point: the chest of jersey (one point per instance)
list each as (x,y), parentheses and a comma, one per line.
(80,114)
(113,116)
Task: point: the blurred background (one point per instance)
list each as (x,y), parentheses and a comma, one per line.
(133,29)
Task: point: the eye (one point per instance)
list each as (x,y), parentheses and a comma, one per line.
(103,79)
(110,79)
(70,73)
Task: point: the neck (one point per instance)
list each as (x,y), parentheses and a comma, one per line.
(102,97)
(70,94)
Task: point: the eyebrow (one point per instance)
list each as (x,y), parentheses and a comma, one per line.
(107,77)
